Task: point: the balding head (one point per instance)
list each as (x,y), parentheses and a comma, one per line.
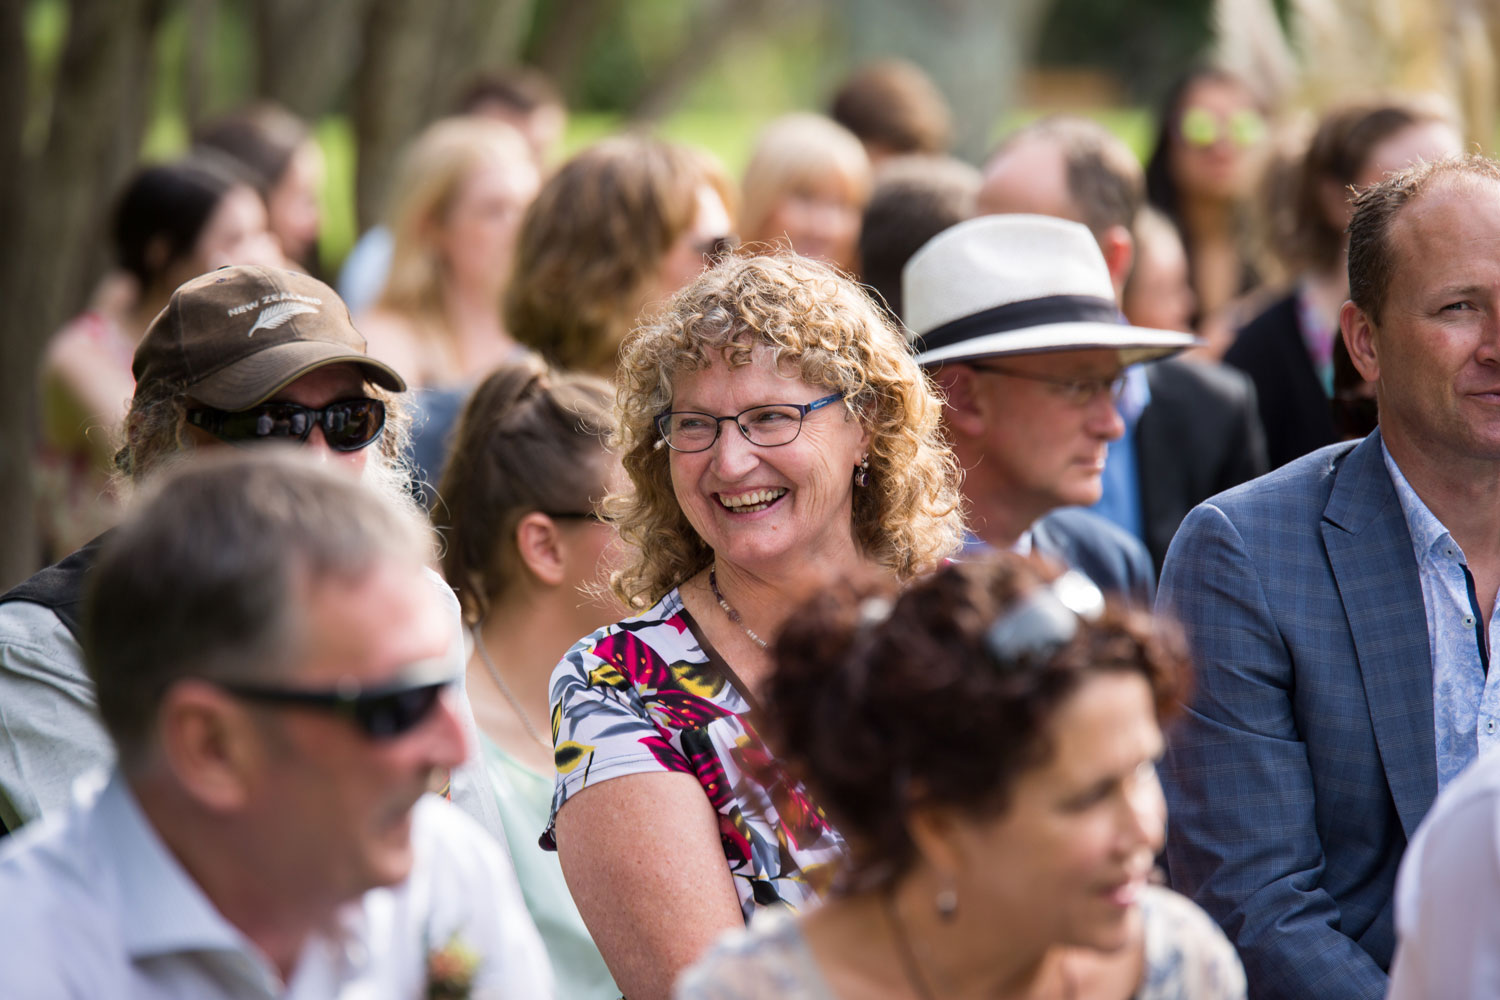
(1074,169)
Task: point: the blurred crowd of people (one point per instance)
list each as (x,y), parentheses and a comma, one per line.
(767,566)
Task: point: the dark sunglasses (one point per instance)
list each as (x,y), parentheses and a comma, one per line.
(573,515)
(381,713)
(348,425)
(1043,622)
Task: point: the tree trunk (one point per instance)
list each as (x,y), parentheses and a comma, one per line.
(20,549)
(500,29)
(570,28)
(54,207)
(974,49)
(306,52)
(393,91)
(202,16)
(715,26)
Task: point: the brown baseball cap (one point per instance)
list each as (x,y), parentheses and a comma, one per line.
(239,335)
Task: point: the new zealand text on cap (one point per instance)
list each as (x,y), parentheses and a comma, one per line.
(236,336)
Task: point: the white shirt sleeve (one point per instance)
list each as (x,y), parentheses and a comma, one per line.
(50,733)
(1448,894)
(476,902)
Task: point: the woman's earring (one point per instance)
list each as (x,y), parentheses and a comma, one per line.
(862,474)
(947,904)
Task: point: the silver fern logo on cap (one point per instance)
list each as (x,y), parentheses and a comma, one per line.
(274,316)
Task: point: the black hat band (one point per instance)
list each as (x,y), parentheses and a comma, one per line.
(1048,310)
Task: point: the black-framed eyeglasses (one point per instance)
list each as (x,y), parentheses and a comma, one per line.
(1078,391)
(348,425)
(381,713)
(1043,622)
(767,426)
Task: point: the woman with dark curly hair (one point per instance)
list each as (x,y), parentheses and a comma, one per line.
(986,742)
(774,427)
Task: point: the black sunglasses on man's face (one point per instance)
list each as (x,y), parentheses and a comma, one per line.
(381,713)
(348,425)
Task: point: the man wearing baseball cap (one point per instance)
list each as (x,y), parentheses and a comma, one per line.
(240,356)
(1015,315)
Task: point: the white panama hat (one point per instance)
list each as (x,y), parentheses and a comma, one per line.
(1018,284)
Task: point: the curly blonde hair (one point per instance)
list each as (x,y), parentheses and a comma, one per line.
(824,327)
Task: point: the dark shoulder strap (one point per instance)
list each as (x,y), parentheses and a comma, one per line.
(60,586)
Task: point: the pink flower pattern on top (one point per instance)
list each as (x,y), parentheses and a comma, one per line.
(645,695)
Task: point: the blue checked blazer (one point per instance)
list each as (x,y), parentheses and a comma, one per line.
(1305,759)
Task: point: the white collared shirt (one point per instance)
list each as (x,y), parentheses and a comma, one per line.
(96,906)
(1465,695)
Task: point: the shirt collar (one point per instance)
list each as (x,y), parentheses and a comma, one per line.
(973,545)
(1134,396)
(162,910)
(1428,536)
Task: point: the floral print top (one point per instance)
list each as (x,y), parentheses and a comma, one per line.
(648,695)
(1187,958)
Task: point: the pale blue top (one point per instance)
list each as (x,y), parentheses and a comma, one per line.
(525,799)
(1120,500)
(1465,705)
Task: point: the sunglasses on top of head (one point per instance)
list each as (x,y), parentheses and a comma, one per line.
(381,713)
(348,425)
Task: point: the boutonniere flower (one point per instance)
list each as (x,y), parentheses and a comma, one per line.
(451,970)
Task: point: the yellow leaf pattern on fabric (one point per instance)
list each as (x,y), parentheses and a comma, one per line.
(569,755)
(605,675)
(699,679)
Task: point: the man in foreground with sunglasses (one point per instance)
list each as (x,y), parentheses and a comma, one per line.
(276,683)
(241,356)
(1016,316)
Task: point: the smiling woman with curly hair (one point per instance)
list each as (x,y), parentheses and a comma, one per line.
(775,431)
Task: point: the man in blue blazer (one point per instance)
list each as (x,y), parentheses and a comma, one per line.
(1341,608)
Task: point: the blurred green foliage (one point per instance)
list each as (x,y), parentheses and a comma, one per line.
(1146,43)
(746,79)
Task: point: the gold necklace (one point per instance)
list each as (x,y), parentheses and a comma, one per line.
(515,703)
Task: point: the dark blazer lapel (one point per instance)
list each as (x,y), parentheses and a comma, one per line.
(1369,549)
(1159,471)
